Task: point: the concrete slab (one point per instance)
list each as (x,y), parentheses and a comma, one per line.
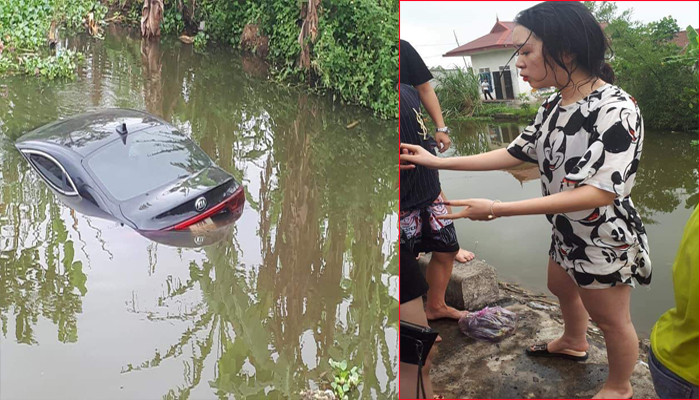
(467,368)
(473,285)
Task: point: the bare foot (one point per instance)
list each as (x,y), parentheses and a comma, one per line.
(464,256)
(618,393)
(444,312)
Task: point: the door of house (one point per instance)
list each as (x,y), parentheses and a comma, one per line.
(497,85)
(503,84)
(485,75)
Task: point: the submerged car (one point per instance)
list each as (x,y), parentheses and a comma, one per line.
(135,168)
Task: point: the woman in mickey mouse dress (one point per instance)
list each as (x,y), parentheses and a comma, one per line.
(587,141)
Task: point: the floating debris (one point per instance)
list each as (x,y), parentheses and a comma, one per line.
(186,39)
(539,306)
(91,25)
(317,394)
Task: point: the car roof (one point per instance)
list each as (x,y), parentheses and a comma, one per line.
(85,133)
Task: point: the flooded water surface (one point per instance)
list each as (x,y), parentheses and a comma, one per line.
(665,194)
(92,309)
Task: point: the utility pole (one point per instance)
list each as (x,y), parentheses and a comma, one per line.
(463,59)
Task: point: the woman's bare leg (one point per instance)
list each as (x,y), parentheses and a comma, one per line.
(573,340)
(610,309)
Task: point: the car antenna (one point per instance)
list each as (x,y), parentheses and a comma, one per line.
(121,130)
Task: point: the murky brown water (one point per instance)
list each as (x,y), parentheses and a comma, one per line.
(91,309)
(665,194)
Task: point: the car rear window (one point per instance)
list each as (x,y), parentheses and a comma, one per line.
(148,160)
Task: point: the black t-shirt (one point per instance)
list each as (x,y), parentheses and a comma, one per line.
(419,186)
(412,68)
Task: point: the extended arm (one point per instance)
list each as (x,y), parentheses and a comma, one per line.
(582,198)
(492,160)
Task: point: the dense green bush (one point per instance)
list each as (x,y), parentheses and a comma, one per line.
(72,12)
(661,76)
(172,20)
(355,55)
(652,69)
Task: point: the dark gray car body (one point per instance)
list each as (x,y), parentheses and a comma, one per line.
(149,176)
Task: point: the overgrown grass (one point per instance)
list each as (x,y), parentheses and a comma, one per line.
(459,92)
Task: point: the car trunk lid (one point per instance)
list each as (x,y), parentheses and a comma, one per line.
(186,201)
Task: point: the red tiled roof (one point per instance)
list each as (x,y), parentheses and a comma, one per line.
(681,39)
(499,37)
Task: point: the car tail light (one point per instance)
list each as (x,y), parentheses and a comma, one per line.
(233,203)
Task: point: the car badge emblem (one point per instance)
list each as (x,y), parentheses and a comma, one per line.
(200,204)
(199,240)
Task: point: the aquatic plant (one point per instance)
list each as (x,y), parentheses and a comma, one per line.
(344,380)
(200,42)
(29,35)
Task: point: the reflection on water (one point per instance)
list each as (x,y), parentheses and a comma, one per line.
(307,273)
(665,193)
(668,175)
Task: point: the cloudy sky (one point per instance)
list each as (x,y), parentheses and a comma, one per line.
(431,26)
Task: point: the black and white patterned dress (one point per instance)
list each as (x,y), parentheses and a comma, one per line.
(596,141)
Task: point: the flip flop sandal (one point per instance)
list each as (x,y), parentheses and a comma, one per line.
(540,350)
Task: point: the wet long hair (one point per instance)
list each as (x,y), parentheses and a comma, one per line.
(569,28)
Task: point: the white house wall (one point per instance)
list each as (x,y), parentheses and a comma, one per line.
(494,59)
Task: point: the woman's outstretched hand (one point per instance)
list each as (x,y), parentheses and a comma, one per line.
(414,154)
(474,209)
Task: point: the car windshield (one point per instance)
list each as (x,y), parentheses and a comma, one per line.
(147,160)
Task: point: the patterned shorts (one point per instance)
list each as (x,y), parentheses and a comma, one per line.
(422,232)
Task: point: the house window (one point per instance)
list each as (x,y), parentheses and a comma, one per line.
(52,172)
(485,75)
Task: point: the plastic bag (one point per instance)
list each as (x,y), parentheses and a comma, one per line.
(491,323)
